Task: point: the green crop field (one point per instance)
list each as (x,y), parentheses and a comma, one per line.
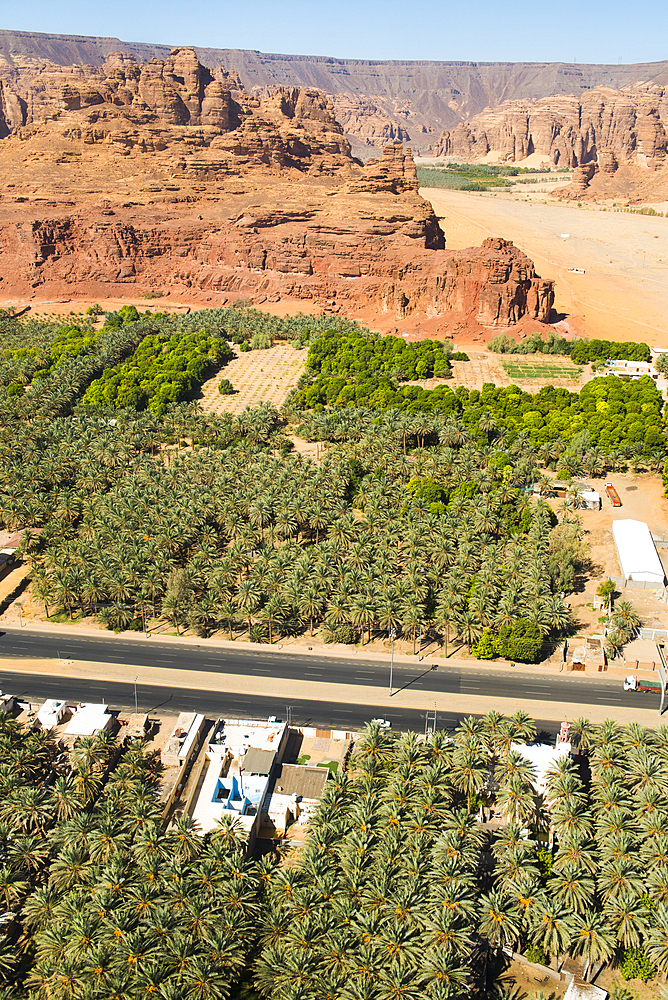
(543,370)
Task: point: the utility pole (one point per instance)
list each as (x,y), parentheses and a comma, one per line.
(393,635)
(136,709)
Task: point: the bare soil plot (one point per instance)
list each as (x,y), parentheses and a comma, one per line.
(622,294)
(642,500)
(258,377)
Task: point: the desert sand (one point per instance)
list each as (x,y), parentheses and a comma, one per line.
(623,294)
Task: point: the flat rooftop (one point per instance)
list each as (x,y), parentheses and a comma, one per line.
(238,737)
(304,782)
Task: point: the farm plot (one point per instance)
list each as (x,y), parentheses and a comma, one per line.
(257,376)
(541,369)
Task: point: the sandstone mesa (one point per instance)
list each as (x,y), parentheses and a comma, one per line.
(127,178)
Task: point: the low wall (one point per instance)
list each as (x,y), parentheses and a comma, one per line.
(543,969)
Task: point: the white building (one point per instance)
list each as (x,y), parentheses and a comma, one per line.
(88,720)
(638,559)
(541,756)
(51,714)
(182,738)
(589,500)
(241,759)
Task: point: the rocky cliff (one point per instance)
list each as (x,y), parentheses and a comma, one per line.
(128,178)
(596,133)
(620,126)
(376,101)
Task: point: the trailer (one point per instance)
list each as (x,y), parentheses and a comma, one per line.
(612,495)
(633,683)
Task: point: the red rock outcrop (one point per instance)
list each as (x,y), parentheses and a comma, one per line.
(138,177)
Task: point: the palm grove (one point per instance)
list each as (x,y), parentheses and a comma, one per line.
(417,520)
(399,893)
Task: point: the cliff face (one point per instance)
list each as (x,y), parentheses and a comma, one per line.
(618,126)
(128,178)
(376,101)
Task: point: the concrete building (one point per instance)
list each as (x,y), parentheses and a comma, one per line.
(542,756)
(51,714)
(181,740)
(88,720)
(297,789)
(241,759)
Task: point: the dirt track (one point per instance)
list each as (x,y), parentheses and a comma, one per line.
(623,294)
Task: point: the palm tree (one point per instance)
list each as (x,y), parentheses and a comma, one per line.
(657,939)
(499,920)
(517,801)
(551,926)
(593,939)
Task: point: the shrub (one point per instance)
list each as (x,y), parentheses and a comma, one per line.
(244,346)
(536,955)
(225,387)
(484,648)
(339,633)
(459,356)
(637,965)
(260,342)
(521,641)
(15,389)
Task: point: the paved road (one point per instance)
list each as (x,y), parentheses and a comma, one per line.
(491,681)
(326,715)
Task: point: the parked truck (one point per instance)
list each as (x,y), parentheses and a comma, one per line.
(633,683)
(613,495)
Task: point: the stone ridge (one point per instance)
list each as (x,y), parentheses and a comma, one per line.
(376,100)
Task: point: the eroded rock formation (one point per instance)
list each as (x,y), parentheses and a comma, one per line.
(569,131)
(377,102)
(600,131)
(130,178)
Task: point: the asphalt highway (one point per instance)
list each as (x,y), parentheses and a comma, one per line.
(489,681)
(150,699)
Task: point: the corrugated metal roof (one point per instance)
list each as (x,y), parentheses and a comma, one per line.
(637,553)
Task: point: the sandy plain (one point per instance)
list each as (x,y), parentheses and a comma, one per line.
(623,294)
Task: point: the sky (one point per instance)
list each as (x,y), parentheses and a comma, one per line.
(584,31)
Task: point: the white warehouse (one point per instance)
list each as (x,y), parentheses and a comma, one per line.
(638,559)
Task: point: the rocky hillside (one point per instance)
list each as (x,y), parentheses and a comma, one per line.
(376,101)
(133,178)
(598,133)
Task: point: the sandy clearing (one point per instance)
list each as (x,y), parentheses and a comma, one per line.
(258,377)
(623,294)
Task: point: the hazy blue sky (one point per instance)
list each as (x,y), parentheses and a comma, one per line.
(482,30)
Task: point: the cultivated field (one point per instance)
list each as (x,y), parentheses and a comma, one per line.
(258,377)
(530,371)
(539,366)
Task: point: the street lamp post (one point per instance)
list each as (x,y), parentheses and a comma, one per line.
(136,709)
(393,635)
